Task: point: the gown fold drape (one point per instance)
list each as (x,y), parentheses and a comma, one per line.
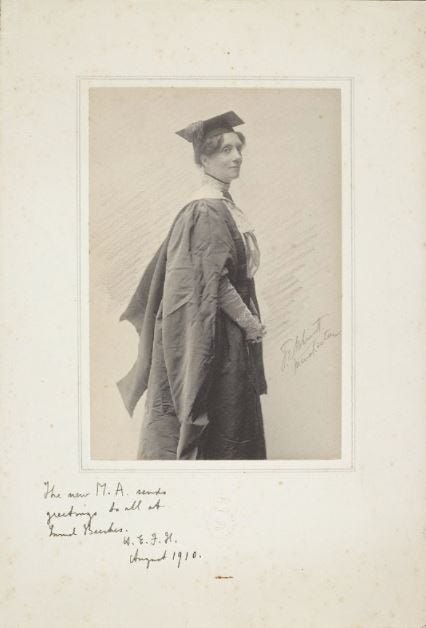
(203,379)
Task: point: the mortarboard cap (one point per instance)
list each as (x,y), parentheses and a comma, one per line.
(198,131)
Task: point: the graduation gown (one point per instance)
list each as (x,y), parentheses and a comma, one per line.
(203,379)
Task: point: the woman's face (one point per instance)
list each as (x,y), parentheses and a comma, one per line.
(225,163)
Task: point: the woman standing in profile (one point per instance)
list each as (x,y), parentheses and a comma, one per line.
(196,312)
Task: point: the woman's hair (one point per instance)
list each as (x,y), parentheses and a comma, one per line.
(213,144)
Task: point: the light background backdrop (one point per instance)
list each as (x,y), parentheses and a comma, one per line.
(141,174)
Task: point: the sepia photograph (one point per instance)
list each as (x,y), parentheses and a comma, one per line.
(215,272)
(212,353)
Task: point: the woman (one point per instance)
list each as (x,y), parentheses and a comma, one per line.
(195,309)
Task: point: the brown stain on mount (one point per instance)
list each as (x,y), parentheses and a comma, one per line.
(223,577)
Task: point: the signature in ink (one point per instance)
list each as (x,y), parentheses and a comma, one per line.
(296,351)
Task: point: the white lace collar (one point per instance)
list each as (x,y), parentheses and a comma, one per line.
(213,188)
(210,188)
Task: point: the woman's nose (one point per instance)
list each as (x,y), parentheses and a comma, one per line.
(237,157)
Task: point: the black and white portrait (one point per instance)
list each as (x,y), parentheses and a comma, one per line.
(216,233)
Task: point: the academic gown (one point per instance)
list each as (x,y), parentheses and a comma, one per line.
(203,378)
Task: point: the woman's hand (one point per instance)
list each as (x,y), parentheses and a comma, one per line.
(255,332)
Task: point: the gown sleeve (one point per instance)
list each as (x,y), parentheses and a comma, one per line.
(199,249)
(232,304)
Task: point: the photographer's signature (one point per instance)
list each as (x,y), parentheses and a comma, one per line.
(296,351)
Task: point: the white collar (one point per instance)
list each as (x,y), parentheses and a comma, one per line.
(213,188)
(210,188)
(215,183)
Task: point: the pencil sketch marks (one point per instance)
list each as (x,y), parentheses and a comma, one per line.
(297,350)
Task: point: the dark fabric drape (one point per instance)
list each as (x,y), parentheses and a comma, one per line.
(203,378)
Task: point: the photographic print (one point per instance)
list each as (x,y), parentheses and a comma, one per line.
(213,282)
(215,231)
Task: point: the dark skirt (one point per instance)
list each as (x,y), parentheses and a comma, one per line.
(231,403)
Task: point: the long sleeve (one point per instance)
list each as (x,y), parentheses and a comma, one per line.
(233,305)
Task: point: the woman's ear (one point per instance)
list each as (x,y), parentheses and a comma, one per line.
(204,160)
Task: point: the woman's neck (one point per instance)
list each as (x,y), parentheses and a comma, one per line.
(215,182)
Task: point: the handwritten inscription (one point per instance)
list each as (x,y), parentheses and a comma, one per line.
(299,350)
(118,513)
